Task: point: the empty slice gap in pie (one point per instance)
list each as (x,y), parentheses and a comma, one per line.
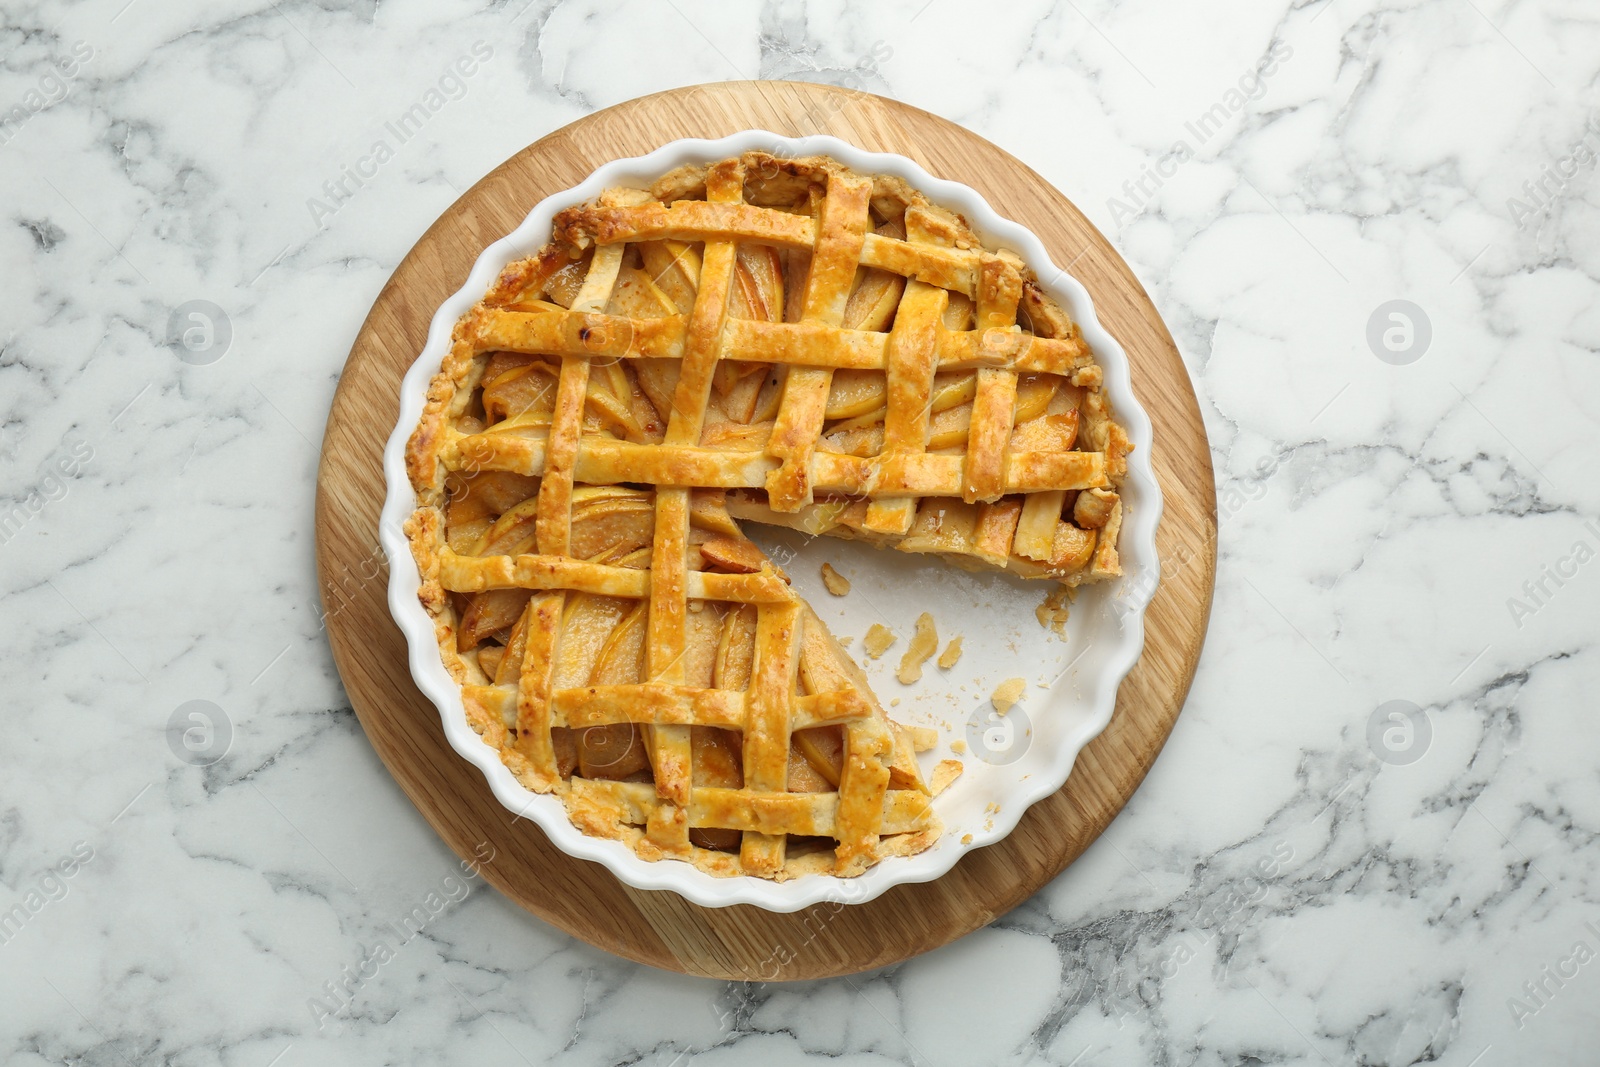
(760,339)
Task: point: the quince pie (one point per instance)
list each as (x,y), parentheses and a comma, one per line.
(775,340)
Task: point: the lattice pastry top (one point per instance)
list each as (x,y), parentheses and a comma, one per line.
(778,340)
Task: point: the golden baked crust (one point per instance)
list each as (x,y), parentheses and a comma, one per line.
(778,340)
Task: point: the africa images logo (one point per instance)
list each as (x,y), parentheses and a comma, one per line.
(1251,85)
(1559,571)
(1545,191)
(53,485)
(54,86)
(452,85)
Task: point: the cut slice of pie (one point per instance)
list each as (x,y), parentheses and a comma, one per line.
(774,340)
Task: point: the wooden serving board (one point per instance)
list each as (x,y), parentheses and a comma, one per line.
(660,928)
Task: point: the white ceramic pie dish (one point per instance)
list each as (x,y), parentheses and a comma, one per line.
(1010,762)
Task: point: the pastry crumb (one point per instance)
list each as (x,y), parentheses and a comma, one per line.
(1007,693)
(1052,613)
(951,653)
(966,839)
(879,638)
(837,583)
(895,703)
(944,773)
(959,747)
(923,644)
(844,642)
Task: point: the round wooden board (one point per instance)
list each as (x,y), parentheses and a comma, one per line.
(582,898)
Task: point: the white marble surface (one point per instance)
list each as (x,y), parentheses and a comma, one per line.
(1276,893)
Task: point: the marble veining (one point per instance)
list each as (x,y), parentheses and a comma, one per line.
(1372,228)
